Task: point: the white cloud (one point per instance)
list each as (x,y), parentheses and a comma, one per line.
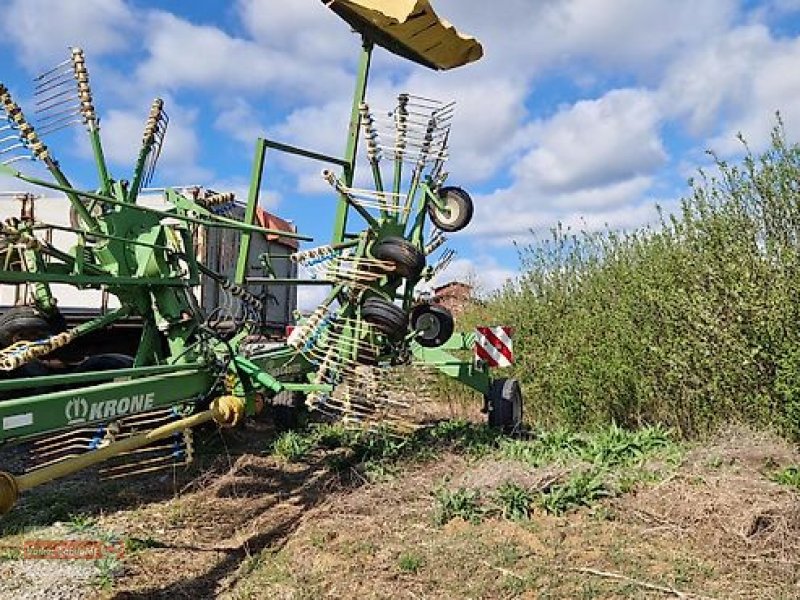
(595,143)
(42,30)
(185,55)
(303,28)
(523,38)
(238,119)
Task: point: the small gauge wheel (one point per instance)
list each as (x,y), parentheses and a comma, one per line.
(434,325)
(457,211)
(504,402)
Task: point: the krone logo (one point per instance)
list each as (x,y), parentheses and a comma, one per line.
(76,410)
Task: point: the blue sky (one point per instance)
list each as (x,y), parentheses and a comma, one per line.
(585,112)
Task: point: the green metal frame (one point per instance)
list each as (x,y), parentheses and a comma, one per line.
(151,266)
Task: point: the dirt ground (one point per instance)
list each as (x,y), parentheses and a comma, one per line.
(245,524)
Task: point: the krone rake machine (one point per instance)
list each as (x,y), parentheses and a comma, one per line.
(191,368)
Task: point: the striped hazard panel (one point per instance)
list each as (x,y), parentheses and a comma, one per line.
(493,345)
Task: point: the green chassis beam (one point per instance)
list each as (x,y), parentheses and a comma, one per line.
(94,376)
(464,371)
(55,411)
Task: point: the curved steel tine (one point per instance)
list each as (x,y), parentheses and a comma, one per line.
(16,158)
(49,117)
(49,99)
(54,69)
(12,147)
(53,129)
(63,79)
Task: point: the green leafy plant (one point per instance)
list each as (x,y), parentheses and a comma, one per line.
(80,523)
(462,502)
(409,562)
(789,476)
(292,446)
(513,501)
(582,488)
(691,322)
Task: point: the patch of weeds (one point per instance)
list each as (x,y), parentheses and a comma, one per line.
(330,436)
(107,570)
(80,523)
(135,545)
(463,503)
(410,562)
(513,501)
(10,554)
(506,554)
(616,446)
(473,438)
(582,488)
(292,446)
(610,447)
(377,471)
(789,476)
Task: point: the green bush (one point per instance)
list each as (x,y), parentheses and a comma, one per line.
(691,324)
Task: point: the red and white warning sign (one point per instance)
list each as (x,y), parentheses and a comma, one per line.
(493,346)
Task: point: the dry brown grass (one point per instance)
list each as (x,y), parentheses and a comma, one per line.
(253,527)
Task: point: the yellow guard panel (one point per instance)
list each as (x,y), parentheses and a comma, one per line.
(411,29)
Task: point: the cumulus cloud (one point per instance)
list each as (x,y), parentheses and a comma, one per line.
(595,142)
(42,30)
(301,27)
(207,59)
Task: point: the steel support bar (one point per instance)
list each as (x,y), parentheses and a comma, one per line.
(305,153)
(342,209)
(91,280)
(250,211)
(215,222)
(256,373)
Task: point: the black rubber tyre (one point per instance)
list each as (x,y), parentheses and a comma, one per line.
(433,323)
(504,402)
(458,210)
(387,317)
(408,259)
(23,323)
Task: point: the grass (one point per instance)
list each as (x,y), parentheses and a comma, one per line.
(410,562)
(292,446)
(605,463)
(581,488)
